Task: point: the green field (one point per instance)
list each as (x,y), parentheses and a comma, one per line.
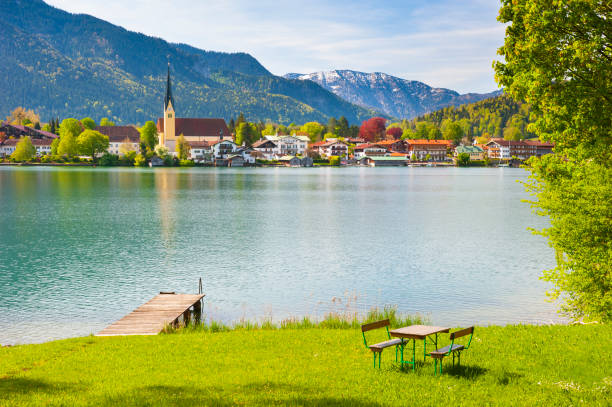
(512,365)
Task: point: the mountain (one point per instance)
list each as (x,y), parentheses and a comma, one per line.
(394,96)
(75,65)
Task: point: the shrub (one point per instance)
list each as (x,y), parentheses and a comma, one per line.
(334,160)
(109,160)
(140,161)
(186,163)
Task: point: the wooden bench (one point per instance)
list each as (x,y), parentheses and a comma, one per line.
(452,349)
(377,348)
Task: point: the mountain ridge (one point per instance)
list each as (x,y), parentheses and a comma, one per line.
(63,64)
(397,97)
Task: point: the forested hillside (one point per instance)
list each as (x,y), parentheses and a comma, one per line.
(495,117)
(62,64)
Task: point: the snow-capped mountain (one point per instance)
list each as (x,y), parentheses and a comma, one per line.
(394,96)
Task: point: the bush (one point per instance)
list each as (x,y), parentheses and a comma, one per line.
(186,163)
(129,157)
(140,161)
(334,160)
(109,160)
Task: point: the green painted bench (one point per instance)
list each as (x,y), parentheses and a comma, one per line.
(377,348)
(452,349)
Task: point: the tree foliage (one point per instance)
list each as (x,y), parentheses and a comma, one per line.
(373,129)
(463,159)
(558,59)
(70,126)
(182,147)
(106,122)
(148,135)
(24,150)
(246,133)
(395,133)
(21,116)
(88,123)
(92,143)
(68,145)
(314,130)
(453,132)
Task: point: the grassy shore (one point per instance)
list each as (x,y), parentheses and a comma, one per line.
(300,365)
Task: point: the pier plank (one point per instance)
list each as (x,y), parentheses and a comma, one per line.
(151,317)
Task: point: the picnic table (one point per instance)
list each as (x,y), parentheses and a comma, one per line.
(420,332)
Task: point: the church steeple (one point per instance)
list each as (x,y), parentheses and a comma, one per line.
(169,99)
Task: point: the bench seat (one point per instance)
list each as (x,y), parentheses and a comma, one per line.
(440,353)
(378,347)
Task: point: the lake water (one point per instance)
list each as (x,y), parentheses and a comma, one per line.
(81,247)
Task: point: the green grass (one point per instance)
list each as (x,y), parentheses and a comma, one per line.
(300,365)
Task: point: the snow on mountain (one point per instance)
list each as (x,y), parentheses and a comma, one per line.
(394,96)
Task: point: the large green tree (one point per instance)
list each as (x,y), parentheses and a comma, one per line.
(88,123)
(24,150)
(182,147)
(68,145)
(314,130)
(453,132)
(246,133)
(92,143)
(558,58)
(148,135)
(72,126)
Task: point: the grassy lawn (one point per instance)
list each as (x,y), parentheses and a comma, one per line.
(512,365)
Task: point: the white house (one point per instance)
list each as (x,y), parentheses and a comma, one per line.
(368,150)
(121,138)
(221,149)
(266,147)
(200,152)
(289,145)
(43,146)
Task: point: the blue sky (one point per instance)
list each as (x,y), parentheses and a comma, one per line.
(446,43)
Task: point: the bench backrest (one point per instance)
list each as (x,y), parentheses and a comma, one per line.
(375,325)
(462,332)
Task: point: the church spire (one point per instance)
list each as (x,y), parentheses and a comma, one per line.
(169,98)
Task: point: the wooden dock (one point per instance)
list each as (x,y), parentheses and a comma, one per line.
(151,317)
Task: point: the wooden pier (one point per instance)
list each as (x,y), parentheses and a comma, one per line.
(151,317)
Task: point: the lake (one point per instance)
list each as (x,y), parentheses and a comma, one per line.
(81,247)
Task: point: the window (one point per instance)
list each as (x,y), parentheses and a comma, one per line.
(169,115)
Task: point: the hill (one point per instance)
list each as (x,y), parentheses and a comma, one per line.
(63,64)
(394,96)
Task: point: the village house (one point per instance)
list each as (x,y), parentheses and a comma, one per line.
(475,152)
(290,161)
(399,146)
(330,148)
(200,152)
(11,134)
(384,161)
(367,149)
(248,154)
(289,145)
(266,147)
(540,148)
(420,149)
(121,138)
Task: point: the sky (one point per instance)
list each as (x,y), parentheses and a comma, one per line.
(444,43)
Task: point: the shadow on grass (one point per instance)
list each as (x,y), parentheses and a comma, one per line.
(422,368)
(23,385)
(263,394)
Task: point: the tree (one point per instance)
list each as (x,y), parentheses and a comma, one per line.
(55,146)
(68,145)
(395,133)
(373,129)
(92,143)
(269,130)
(88,123)
(454,132)
(24,150)
(182,148)
(21,116)
(463,160)
(140,160)
(246,133)
(70,126)
(148,135)
(557,58)
(512,133)
(314,130)
(106,122)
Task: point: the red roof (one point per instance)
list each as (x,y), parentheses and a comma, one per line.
(421,142)
(35,141)
(198,144)
(262,142)
(190,127)
(118,134)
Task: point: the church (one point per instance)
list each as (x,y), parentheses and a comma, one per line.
(195,130)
